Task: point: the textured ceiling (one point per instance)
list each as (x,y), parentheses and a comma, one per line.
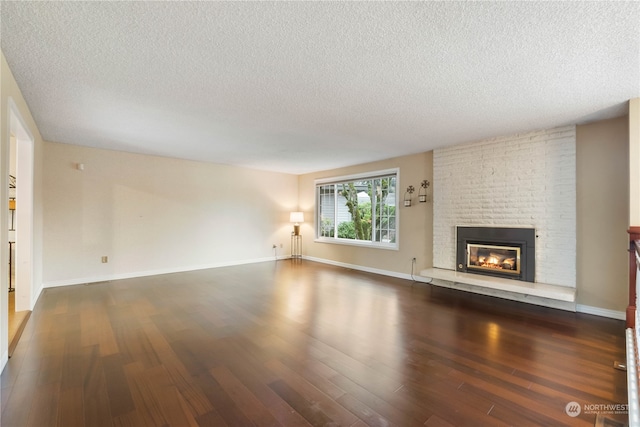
(304,86)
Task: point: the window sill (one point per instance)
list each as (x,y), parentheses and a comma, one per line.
(359,243)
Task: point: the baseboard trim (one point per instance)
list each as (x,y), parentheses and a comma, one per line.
(3,361)
(602,312)
(389,273)
(580,308)
(16,339)
(136,274)
(34,299)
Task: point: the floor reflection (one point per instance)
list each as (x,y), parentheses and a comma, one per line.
(361,320)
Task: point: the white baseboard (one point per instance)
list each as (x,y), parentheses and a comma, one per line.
(371,270)
(34,298)
(135,274)
(3,360)
(602,312)
(596,311)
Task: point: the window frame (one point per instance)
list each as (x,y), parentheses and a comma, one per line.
(350,178)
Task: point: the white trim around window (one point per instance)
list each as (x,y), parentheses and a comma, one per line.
(378,191)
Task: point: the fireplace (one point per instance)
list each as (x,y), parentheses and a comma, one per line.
(497,251)
(505,259)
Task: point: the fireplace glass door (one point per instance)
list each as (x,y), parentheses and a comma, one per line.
(495,259)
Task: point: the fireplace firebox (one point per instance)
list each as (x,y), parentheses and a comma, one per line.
(497,251)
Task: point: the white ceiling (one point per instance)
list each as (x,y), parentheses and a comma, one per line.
(305,86)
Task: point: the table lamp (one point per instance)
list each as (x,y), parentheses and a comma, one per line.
(296,218)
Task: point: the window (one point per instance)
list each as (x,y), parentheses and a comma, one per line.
(359,209)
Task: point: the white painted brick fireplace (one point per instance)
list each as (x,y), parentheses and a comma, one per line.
(525,180)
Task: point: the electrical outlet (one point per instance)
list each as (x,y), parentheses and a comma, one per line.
(105,259)
(280,245)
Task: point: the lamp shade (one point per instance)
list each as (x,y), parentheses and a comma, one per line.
(296,217)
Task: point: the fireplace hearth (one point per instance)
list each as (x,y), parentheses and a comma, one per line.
(497,251)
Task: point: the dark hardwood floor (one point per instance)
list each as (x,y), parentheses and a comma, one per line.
(17,322)
(299,343)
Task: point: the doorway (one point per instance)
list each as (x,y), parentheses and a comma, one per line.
(20,239)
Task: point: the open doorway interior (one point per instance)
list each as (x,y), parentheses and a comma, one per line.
(17,318)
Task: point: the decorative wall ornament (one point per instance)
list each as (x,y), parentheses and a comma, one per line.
(407,196)
(423,193)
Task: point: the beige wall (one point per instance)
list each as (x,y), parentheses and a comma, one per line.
(416,222)
(634,162)
(152,215)
(602,150)
(10,92)
(602,210)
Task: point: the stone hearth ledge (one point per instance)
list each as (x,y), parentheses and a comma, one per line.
(543,294)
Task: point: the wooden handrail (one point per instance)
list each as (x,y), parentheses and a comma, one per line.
(634,256)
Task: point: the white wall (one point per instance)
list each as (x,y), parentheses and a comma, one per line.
(13,111)
(526,180)
(152,215)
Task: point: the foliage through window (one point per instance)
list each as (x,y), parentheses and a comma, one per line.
(359,209)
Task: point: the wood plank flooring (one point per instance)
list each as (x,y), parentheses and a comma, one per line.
(17,322)
(293,343)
